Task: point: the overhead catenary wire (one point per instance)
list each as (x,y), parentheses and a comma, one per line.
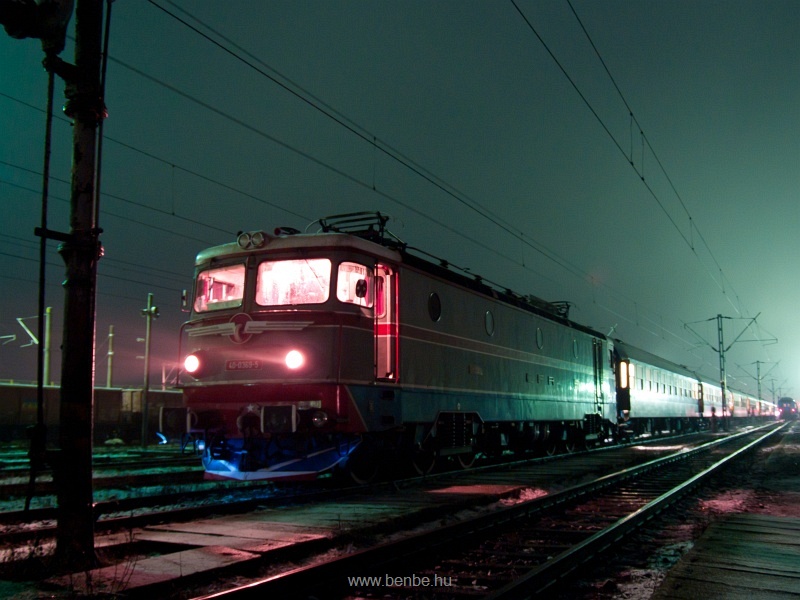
(324,108)
(640,170)
(370,185)
(692,227)
(374,140)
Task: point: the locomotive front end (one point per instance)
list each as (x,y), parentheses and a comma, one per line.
(281,328)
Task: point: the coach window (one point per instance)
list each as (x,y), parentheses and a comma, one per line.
(219,288)
(354,284)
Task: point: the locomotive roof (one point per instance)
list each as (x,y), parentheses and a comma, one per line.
(367,232)
(627,351)
(293,241)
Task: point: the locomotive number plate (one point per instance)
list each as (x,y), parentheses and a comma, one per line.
(242,365)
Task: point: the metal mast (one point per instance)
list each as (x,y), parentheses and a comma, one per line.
(723,376)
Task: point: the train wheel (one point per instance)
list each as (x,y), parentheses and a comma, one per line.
(575,441)
(423,461)
(467,460)
(364,464)
(551,446)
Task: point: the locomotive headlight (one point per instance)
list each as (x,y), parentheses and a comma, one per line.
(294,359)
(319,418)
(191,364)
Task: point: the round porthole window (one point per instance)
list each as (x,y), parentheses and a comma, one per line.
(575,348)
(489,322)
(539,338)
(434,307)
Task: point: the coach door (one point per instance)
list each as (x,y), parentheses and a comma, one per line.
(385,323)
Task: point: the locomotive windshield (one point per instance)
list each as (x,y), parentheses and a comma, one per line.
(285,283)
(222,287)
(289,282)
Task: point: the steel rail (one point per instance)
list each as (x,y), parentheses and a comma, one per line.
(302,580)
(539,579)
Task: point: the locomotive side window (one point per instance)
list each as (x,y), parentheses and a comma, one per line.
(219,288)
(488,321)
(290,282)
(434,307)
(354,284)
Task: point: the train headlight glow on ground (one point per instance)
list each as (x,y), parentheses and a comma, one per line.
(294,359)
(192,364)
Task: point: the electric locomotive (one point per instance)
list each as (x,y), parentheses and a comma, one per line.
(787,409)
(344,348)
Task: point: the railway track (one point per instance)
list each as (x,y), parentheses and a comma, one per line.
(148,498)
(201,508)
(115,473)
(519,551)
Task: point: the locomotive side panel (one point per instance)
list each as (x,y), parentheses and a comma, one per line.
(466,351)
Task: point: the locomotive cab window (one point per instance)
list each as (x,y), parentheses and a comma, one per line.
(354,284)
(219,288)
(290,282)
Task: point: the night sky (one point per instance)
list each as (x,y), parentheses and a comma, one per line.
(640,160)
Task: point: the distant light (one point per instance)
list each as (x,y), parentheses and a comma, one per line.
(294,359)
(162,438)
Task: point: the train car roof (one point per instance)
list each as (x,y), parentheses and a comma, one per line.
(628,351)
